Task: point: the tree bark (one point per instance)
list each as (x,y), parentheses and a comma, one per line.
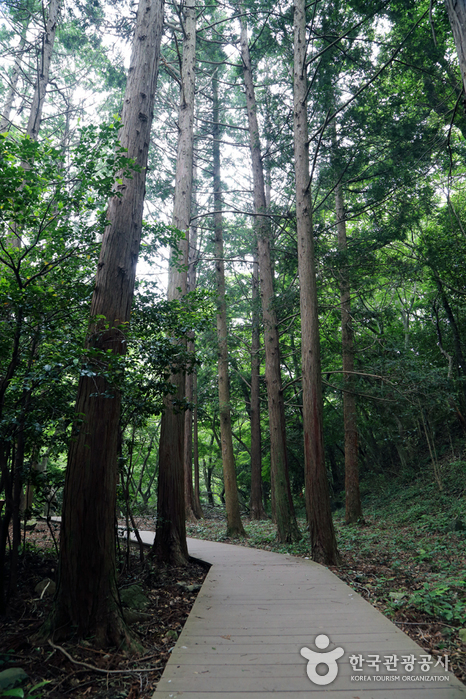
(287,528)
(5,120)
(353,510)
(7,474)
(193,504)
(170,538)
(457,15)
(208,470)
(319,516)
(43,70)
(5,518)
(43,74)
(188,446)
(87,598)
(197,489)
(256,505)
(234,524)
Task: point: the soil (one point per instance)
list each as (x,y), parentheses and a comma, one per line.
(171,593)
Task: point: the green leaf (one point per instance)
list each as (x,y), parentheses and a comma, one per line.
(12,676)
(36,687)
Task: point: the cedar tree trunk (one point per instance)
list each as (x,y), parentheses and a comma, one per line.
(188,445)
(234,524)
(256,506)
(43,70)
(319,516)
(43,74)
(192,501)
(457,15)
(5,120)
(170,538)
(352,495)
(287,529)
(87,599)
(197,488)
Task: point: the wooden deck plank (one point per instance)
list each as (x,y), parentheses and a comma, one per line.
(255,612)
(354,693)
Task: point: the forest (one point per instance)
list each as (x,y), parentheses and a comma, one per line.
(231,298)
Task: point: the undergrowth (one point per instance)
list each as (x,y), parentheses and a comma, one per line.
(407,557)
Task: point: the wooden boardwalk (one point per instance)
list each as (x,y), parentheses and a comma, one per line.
(257,610)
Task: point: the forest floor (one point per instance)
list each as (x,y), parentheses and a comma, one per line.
(76,669)
(407,558)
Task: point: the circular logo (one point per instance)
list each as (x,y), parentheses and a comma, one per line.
(329,659)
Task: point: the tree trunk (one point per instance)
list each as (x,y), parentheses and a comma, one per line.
(319,516)
(352,497)
(6,473)
(208,470)
(256,506)
(18,467)
(197,489)
(457,15)
(287,529)
(234,525)
(6,513)
(43,69)
(170,538)
(193,504)
(43,73)
(5,119)
(188,445)
(87,598)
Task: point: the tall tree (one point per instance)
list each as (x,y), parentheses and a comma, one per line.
(43,68)
(197,488)
(319,516)
(234,525)
(287,529)
(44,60)
(352,496)
(170,538)
(14,79)
(256,505)
(191,456)
(35,198)
(87,598)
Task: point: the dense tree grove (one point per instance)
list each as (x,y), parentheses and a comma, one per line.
(293,175)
